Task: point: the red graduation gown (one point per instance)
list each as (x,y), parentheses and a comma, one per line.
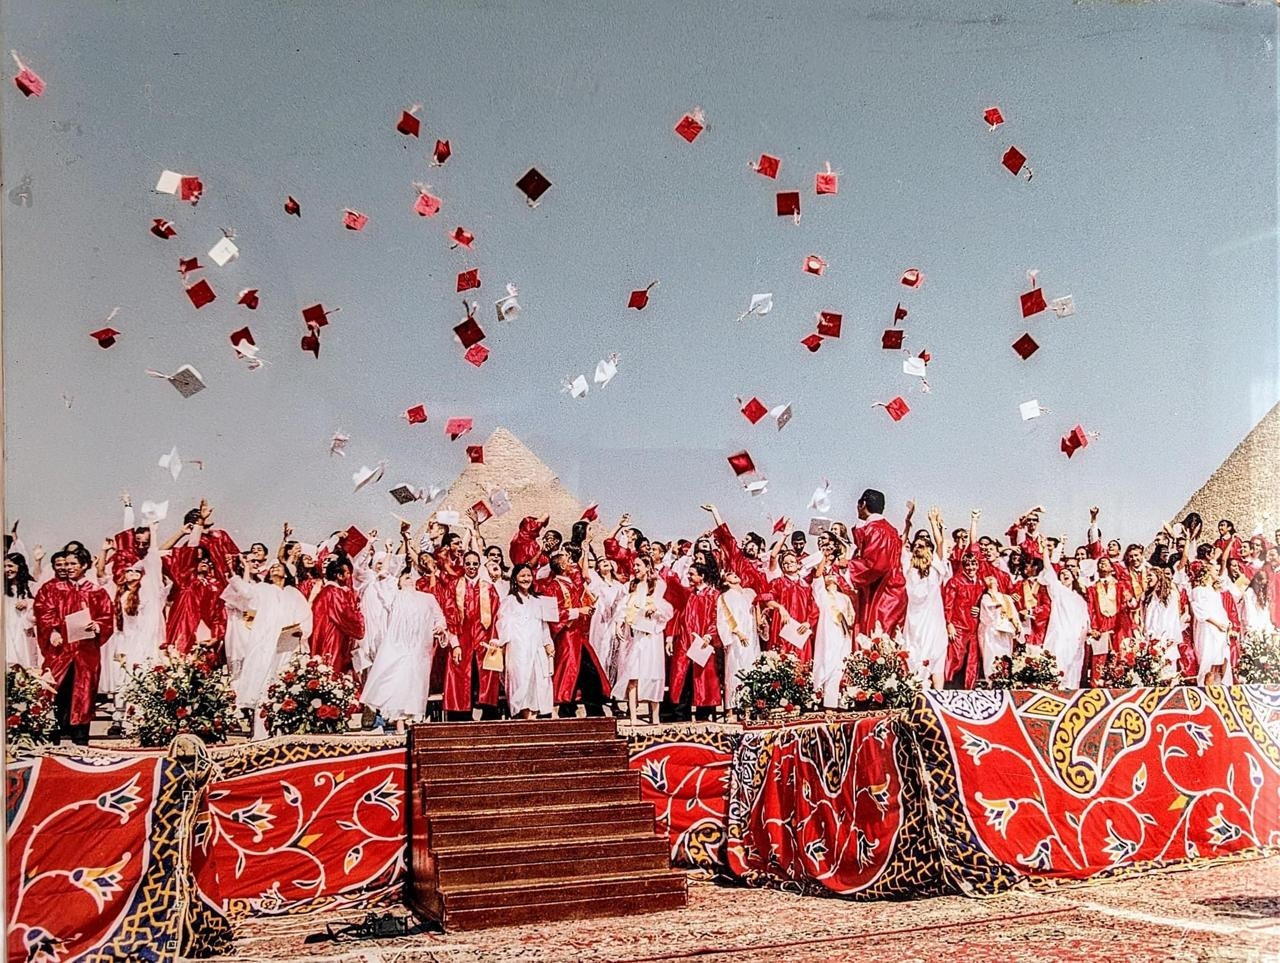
(751,574)
(964,658)
(53,603)
(572,637)
(876,574)
(796,596)
(698,617)
(194,599)
(622,558)
(525,549)
(219,545)
(466,622)
(1034,606)
(336,625)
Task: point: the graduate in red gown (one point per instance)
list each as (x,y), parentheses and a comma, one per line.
(960,597)
(472,617)
(131,545)
(195,598)
(74,666)
(876,570)
(697,620)
(1024,534)
(789,598)
(620,547)
(1107,618)
(743,560)
(1032,600)
(577,667)
(220,546)
(337,623)
(526,547)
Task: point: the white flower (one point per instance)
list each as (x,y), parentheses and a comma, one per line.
(316,703)
(890,684)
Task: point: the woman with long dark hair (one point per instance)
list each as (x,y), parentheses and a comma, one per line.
(19,623)
(525,640)
(642,615)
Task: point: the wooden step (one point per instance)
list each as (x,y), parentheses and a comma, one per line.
(532,893)
(528,833)
(478,919)
(514,730)
(544,816)
(548,786)
(553,860)
(486,768)
(431,754)
(528,801)
(447,741)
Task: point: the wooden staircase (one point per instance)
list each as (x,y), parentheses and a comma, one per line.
(524,821)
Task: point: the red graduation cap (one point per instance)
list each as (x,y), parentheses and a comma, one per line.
(1073,441)
(249,298)
(105,337)
(533,185)
(455,428)
(354,542)
(813,264)
(754,410)
(780,525)
(243,336)
(469,279)
(891,340)
(188,264)
(691,125)
(477,354)
(315,316)
(591,513)
(897,409)
(416,415)
(826,182)
(28,81)
(829,324)
(1032,302)
(788,203)
(427,205)
(899,313)
(993,117)
(468,332)
(741,463)
(462,237)
(201,293)
(354,220)
(311,342)
(640,298)
(912,278)
(292,207)
(190,188)
(813,342)
(481,509)
(475,454)
(1014,160)
(1026,346)
(767,165)
(163,229)
(442,151)
(409,125)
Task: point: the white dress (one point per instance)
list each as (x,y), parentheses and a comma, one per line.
(603,614)
(397,682)
(238,601)
(275,608)
(832,642)
(524,636)
(739,653)
(1212,646)
(925,628)
(995,632)
(1067,634)
(641,646)
(1257,617)
(377,595)
(140,636)
(1164,622)
(20,635)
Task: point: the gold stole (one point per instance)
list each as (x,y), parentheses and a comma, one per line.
(486,603)
(1030,590)
(733,623)
(634,606)
(1107,598)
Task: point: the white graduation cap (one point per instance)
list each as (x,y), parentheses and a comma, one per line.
(761,304)
(758,487)
(606,369)
(366,475)
(224,252)
(172,463)
(168,182)
(153,512)
(578,387)
(1064,306)
(431,493)
(914,366)
(448,516)
(1030,409)
(337,443)
(781,414)
(821,500)
(500,502)
(186,379)
(309,550)
(509,307)
(404,493)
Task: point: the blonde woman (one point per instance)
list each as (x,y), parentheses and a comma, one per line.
(641,616)
(925,569)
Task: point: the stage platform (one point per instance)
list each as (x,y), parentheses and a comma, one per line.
(968,792)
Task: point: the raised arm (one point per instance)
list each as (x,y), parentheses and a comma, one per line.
(906,524)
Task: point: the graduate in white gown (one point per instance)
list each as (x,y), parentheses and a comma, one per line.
(401,672)
(527,649)
(924,631)
(19,620)
(377,590)
(140,612)
(833,637)
(641,617)
(1067,635)
(1256,614)
(238,601)
(608,591)
(281,621)
(1165,617)
(1211,627)
(998,624)
(739,636)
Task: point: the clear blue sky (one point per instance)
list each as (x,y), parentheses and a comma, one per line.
(1151,129)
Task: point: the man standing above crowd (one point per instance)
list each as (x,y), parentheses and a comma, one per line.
(875,572)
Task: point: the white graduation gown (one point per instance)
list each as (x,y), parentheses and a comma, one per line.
(275,608)
(641,646)
(740,650)
(924,630)
(832,642)
(524,637)
(397,682)
(995,632)
(603,616)
(1257,617)
(377,595)
(140,636)
(1067,634)
(20,635)
(1212,646)
(238,599)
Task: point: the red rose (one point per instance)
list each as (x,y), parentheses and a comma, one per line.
(902,656)
(775,685)
(354,709)
(879,697)
(313,684)
(790,707)
(860,696)
(158,669)
(13,720)
(217,724)
(288,705)
(288,677)
(759,703)
(170,694)
(182,712)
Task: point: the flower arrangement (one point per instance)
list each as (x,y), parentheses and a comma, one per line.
(29,720)
(180,694)
(1260,657)
(309,697)
(1139,662)
(1030,668)
(775,683)
(877,675)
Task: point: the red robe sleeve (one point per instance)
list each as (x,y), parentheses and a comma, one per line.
(47,612)
(878,555)
(524,547)
(219,545)
(103,611)
(750,574)
(347,614)
(623,558)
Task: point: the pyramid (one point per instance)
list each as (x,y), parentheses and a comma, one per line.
(1246,488)
(531,487)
